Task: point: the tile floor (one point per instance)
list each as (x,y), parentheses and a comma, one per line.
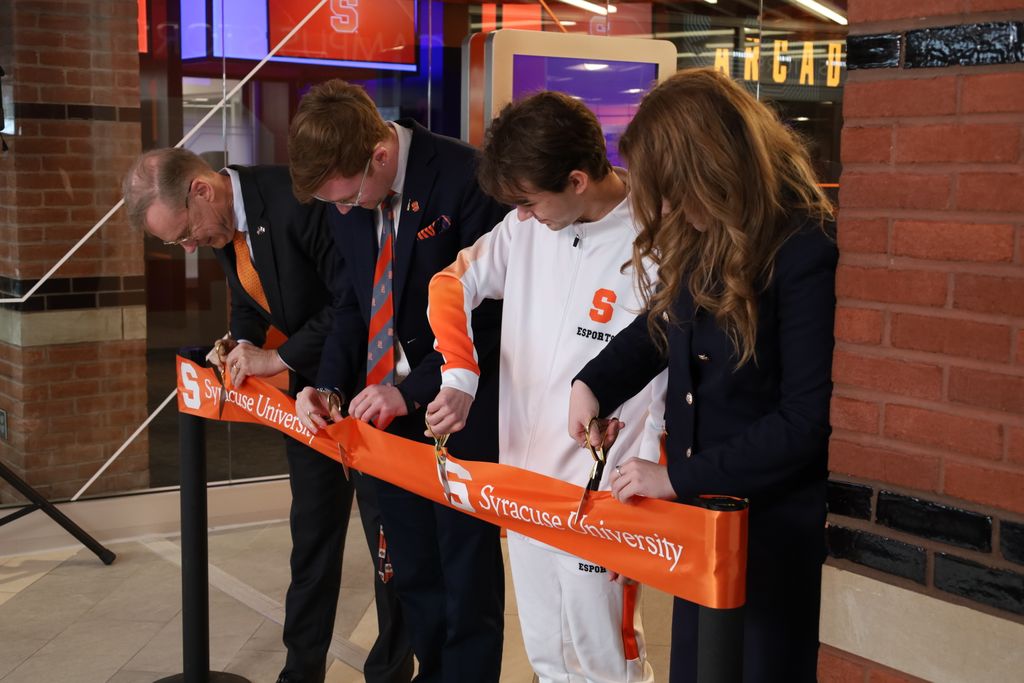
(65,617)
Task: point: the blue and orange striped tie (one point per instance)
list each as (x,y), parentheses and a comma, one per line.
(380,356)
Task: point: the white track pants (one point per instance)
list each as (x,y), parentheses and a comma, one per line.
(577,625)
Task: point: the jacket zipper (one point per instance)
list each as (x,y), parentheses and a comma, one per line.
(561,331)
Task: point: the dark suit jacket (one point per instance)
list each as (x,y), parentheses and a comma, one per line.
(297,265)
(440,177)
(760,432)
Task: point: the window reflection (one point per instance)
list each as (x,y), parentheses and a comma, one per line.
(192,52)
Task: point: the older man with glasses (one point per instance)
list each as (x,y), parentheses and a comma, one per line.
(282,267)
(187,239)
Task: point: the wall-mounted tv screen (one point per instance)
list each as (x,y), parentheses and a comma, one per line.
(375,34)
(611,89)
(609,74)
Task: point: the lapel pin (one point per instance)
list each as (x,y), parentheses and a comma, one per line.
(260,230)
(413,206)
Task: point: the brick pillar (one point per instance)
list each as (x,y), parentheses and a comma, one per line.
(927,453)
(72,357)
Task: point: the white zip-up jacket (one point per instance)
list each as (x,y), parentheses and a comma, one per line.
(565,296)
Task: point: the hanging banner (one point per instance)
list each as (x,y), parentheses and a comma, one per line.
(688,551)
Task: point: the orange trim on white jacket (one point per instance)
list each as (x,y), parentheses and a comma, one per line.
(565,296)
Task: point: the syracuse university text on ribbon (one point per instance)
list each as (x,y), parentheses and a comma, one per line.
(688,551)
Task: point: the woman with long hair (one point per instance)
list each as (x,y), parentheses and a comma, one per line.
(741,314)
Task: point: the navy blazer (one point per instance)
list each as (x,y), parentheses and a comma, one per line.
(443,211)
(297,265)
(760,432)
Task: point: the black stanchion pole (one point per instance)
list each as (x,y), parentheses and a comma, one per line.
(720,631)
(195,591)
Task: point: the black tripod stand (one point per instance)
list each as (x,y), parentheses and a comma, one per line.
(37,502)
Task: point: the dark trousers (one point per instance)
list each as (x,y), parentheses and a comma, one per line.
(321,505)
(390,659)
(780,618)
(780,638)
(451,582)
(320,510)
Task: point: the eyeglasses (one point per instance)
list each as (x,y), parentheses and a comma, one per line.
(188,235)
(359,192)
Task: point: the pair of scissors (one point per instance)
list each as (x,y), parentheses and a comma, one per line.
(596,470)
(441,458)
(222,349)
(343,458)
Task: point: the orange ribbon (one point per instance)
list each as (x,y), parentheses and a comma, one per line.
(688,551)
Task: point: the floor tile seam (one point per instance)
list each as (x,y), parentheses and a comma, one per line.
(53,655)
(144,645)
(342,648)
(39,575)
(18,590)
(156,674)
(43,644)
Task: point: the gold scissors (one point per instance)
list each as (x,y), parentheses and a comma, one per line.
(441,458)
(222,349)
(342,456)
(596,470)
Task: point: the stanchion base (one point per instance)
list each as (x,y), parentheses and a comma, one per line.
(213,677)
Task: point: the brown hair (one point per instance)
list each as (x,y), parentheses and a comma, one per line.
(163,175)
(333,133)
(701,142)
(540,140)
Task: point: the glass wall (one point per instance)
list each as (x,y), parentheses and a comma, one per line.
(84,93)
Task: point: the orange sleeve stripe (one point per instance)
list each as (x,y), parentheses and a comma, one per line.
(447,314)
(630,646)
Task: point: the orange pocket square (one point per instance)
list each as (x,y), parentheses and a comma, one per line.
(440,224)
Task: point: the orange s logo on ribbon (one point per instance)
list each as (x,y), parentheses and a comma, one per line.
(688,551)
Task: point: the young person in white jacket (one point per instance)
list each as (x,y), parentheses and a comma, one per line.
(557,262)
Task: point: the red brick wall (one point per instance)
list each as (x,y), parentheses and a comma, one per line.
(65,173)
(836,666)
(70,406)
(73,71)
(929,362)
(874,16)
(929,368)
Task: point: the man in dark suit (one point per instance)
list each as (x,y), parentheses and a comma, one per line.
(407,201)
(281,266)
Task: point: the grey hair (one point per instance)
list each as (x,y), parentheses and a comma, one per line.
(160,175)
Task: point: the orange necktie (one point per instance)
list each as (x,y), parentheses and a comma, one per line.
(247,273)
